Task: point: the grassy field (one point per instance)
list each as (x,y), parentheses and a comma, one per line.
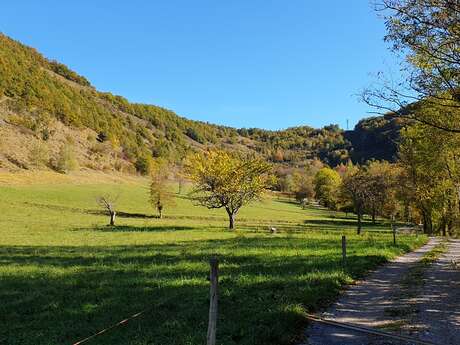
(65,275)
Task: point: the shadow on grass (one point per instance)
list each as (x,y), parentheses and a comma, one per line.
(343,222)
(59,294)
(129,228)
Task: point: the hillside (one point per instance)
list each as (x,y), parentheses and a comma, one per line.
(53,118)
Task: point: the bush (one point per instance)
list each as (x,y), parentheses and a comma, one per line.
(39,155)
(66,160)
(195,135)
(143,164)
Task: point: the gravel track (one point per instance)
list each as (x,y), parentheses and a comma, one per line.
(432,314)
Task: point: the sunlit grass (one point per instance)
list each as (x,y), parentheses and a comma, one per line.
(65,274)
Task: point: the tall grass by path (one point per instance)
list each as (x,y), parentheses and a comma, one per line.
(65,275)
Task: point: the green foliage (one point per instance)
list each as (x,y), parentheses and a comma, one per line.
(143,164)
(226,180)
(431,183)
(303,185)
(65,72)
(193,134)
(327,182)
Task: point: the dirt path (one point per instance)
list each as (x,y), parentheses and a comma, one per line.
(438,304)
(434,313)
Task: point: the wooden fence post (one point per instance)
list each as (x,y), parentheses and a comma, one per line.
(393,229)
(213,297)
(344,250)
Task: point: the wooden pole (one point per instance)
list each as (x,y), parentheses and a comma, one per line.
(214,279)
(393,228)
(344,250)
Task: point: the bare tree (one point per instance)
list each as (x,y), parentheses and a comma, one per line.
(108,202)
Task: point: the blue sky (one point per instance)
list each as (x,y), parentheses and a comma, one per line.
(243,63)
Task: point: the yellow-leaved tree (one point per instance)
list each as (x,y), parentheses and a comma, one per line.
(160,191)
(227,180)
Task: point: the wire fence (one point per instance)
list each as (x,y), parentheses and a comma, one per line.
(213,311)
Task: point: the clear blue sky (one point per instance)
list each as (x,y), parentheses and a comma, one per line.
(244,63)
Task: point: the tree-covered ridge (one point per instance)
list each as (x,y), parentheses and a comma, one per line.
(376,137)
(298,144)
(35,91)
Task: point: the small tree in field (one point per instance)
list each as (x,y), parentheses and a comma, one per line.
(108,202)
(226,180)
(326,184)
(160,193)
(355,186)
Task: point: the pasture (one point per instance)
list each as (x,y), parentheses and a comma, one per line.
(64,274)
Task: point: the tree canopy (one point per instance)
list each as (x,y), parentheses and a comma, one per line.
(227,180)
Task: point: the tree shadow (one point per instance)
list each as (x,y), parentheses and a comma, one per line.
(59,294)
(131,228)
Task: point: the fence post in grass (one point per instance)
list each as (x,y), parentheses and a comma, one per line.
(393,229)
(213,297)
(344,250)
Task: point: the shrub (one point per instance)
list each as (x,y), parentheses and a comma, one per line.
(66,160)
(39,155)
(143,164)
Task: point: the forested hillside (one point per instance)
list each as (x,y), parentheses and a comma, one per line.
(51,117)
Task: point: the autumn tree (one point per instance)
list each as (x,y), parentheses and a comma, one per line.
(427,33)
(382,178)
(431,161)
(227,180)
(326,185)
(303,186)
(355,186)
(160,191)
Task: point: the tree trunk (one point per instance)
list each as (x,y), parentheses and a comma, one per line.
(360,214)
(373,215)
(112,218)
(231,219)
(444,226)
(160,211)
(427,222)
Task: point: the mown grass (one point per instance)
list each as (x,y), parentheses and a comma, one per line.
(65,275)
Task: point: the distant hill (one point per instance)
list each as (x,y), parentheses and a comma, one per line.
(375,138)
(50,114)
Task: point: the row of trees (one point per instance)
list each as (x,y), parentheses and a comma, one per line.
(416,190)
(373,189)
(427,34)
(221,179)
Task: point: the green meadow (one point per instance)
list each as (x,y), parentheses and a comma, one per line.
(65,275)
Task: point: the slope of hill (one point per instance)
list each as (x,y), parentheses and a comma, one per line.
(51,117)
(375,138)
